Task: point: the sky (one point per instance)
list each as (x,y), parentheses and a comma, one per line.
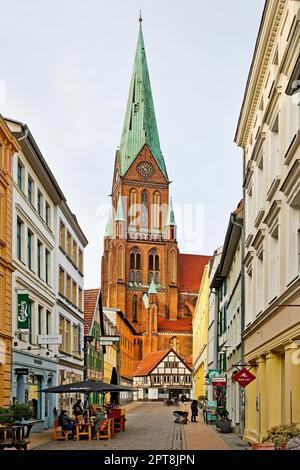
(65,71)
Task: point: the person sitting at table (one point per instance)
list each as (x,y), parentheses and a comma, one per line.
(99,420)
(66,423)
(93,410)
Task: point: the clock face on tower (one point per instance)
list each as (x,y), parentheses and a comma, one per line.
(145,169)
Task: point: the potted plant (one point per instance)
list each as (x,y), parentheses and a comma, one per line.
(202,399)
(280,435)
(22,412)
(6,417)
(223,423)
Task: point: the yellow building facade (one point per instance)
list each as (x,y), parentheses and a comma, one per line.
(200,336)
(8,146)
(269,133)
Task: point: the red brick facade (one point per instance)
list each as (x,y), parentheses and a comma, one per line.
(127,266)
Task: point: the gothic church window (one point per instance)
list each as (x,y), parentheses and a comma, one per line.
(156,210)
(144,209)
(132,209)
(173,267)
(120,262)
(135,266)
(153,266)
(134,309)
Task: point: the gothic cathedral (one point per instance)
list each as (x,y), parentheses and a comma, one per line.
(143,274)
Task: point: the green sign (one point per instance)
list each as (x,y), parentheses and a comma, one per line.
(23,312)
(212,374)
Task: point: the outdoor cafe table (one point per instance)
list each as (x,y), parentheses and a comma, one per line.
(83,429)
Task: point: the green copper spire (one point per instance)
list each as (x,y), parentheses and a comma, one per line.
(108,229)
(120,212)
(140,126)
(171,215)
(152,288)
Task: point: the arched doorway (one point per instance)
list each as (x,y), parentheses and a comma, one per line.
(114,396)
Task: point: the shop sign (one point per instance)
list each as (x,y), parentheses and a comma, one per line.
(211,374)
(50,339)
(244,377)
(22,371)
(23,311)
(109,340)
(219,382)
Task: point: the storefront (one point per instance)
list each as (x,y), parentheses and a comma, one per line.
(30,375)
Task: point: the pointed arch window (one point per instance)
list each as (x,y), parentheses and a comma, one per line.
(134,308)
(144,209)
(120,263)
(135,266)
(156,210)
(153,266)
(173,267)
(132,209)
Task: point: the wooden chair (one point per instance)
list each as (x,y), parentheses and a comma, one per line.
(83,429)
(59,434)
(106,430)
(118,414)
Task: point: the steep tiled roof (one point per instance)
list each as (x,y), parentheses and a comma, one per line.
(90,301)
(182,325)
(191,269)
(189,361)
(150,362)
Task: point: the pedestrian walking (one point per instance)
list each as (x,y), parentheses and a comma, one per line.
(194,410)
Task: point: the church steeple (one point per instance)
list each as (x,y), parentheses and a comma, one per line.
(140,126)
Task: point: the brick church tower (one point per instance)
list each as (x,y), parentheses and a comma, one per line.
(141,264)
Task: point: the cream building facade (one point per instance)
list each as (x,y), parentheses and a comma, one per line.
(269,133)
(200,337)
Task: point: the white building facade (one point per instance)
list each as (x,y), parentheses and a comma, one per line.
(69,284)
(37,199)
(33,233)
(162,375)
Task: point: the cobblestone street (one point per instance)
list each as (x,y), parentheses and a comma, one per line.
(149,426)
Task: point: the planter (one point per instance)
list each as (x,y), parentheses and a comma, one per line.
(223,426)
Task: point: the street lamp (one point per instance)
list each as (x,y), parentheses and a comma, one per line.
(50,376)
(87,340)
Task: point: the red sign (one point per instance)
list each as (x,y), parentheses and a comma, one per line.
(244,377)
(219,382)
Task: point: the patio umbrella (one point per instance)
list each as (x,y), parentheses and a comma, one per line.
(87,386)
